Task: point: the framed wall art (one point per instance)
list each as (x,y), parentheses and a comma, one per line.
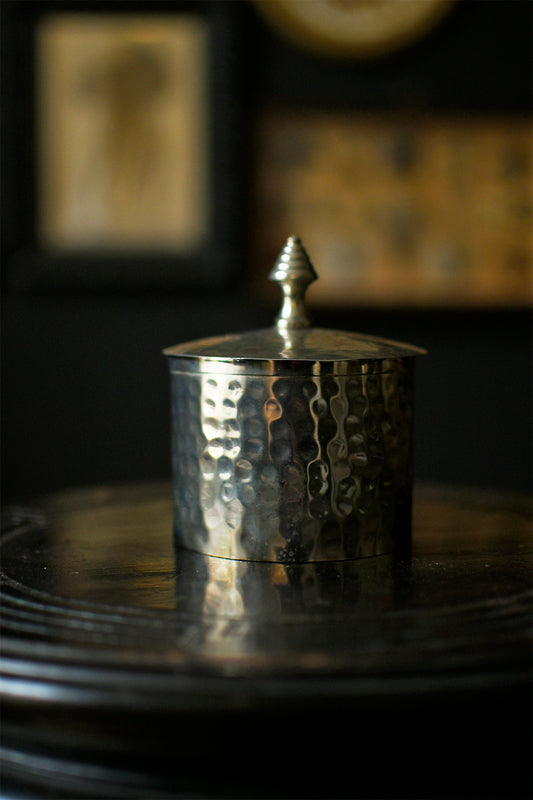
(122,136)
(133,176)
(432,210)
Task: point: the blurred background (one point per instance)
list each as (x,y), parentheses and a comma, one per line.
(155,156)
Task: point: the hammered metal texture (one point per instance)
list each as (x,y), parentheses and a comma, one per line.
(292,469)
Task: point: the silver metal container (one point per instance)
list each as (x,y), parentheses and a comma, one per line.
(292,444)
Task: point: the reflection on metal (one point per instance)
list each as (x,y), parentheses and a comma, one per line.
(306,469)
(292,444)
(101,584)
(240,606)
(124,663)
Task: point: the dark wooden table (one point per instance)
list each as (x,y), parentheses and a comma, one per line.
(130,669)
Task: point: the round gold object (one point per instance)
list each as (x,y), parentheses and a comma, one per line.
(353,28)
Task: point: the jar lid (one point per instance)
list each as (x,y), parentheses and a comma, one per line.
(291,346)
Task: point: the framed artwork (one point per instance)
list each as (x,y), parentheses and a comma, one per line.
(423,211)
(122,132)
(133,174)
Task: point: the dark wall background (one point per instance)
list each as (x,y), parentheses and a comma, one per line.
(84,385)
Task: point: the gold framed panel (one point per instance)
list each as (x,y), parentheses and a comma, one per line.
(123,145)
(423,211)
(122,120)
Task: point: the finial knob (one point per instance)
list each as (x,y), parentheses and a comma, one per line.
(293,272)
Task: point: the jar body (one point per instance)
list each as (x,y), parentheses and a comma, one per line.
(292,468)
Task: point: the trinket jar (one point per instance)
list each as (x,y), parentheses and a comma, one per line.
(293,443)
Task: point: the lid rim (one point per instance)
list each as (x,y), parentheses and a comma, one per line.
(309,345)
(192,365)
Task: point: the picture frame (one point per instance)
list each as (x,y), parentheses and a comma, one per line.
(81,210)
(400,211)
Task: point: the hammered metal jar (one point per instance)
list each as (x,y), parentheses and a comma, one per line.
(292,444)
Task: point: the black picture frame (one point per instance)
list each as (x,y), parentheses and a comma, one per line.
(27,266)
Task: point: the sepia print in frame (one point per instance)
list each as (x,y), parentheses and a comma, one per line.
(122,133)
(122,147)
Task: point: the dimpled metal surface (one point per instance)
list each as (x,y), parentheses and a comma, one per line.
(293,468)
(292,444)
